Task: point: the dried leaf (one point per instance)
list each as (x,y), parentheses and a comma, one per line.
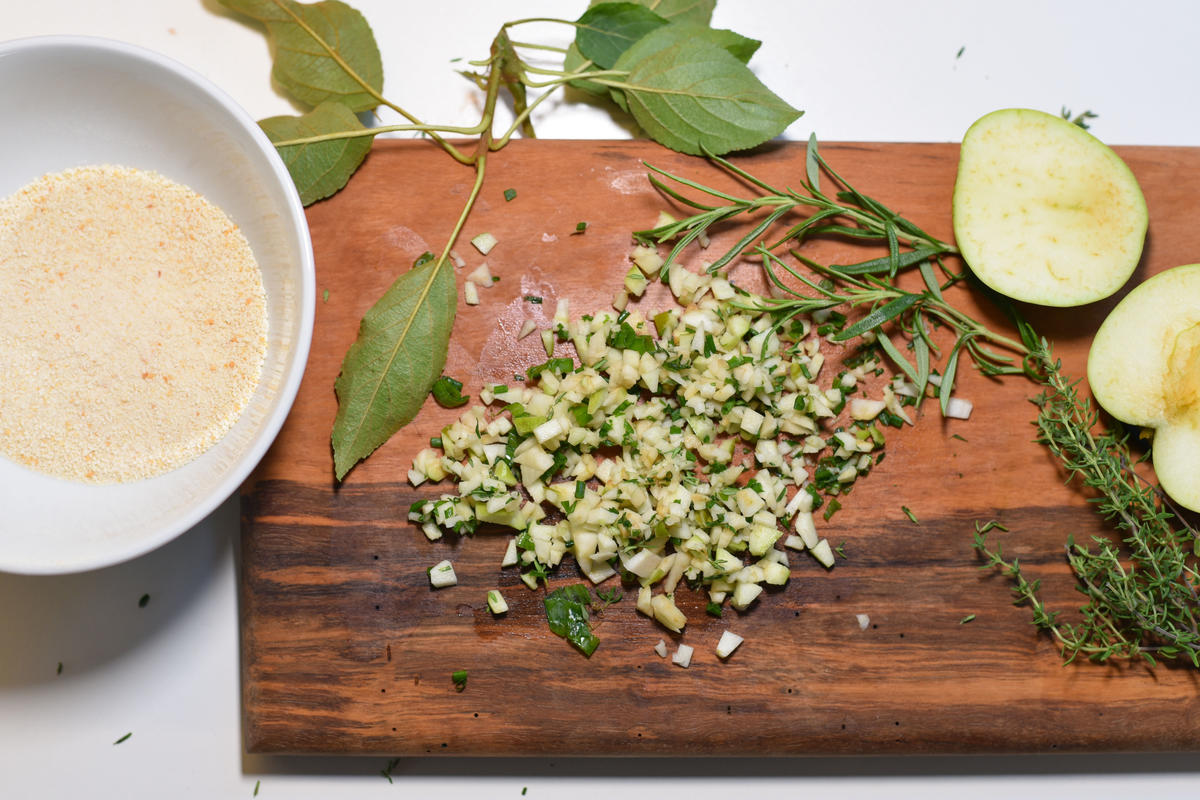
(695,97)
(697,12)
(607,30)
(319,169)
(323,51)
(389,370)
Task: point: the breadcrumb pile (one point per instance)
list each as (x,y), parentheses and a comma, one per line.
(133,324)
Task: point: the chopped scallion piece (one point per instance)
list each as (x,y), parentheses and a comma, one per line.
(448,392)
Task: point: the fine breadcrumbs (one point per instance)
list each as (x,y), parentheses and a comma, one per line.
(133,324)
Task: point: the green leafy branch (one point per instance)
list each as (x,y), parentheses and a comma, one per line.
(684,83)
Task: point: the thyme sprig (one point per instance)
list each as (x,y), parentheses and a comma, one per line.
(1143,591)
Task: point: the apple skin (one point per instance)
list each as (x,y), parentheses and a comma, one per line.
(1044,212)
(1144,369)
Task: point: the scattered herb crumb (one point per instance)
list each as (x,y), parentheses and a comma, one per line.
(831,509)
(966,619)
(524,789)
(532,298)
(387,770)
(325,296)
(256,785)
(59,670)
(911,516)
(990,525)
(123,738)
(143,601)
(1078,119)
(605,598)
(460,679)
(510,195)
(840,550)
(580,227)
(961,50)
(448,392)
(957,436)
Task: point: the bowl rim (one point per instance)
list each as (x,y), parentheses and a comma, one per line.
(298,348)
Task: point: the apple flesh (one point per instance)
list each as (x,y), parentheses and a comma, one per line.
(1144,369)
(1044,212)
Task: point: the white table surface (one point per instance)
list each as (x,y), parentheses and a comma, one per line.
(168,673)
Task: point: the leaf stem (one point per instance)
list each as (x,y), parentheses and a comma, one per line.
(354,134)
(367,87)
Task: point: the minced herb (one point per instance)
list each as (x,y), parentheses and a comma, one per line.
(567,615)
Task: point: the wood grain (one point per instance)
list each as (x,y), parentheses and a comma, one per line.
(346,649)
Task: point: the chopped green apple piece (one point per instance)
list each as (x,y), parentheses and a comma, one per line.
(484,243)
(496,602)
(1044,212)
(683,656)
(1144,369)
(442,574)
(728,643)
(635,282)
(666,612)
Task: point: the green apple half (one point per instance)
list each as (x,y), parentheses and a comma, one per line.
(1045,212)
(1144,369)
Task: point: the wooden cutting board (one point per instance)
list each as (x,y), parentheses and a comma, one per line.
(346,649)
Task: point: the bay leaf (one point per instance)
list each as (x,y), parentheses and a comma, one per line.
(323,51)
(321,168)
(694,96)
(392,365)
(697,12)
(740,47)
(607,30)
(691,12)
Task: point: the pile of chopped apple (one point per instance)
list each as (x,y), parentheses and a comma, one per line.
(686,448)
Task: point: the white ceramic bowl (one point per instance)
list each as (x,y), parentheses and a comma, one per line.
(73,101)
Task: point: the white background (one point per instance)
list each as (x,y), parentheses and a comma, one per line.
(875,70)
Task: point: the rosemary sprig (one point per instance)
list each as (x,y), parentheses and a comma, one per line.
(847,213)
(843,211)
(1142,591)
